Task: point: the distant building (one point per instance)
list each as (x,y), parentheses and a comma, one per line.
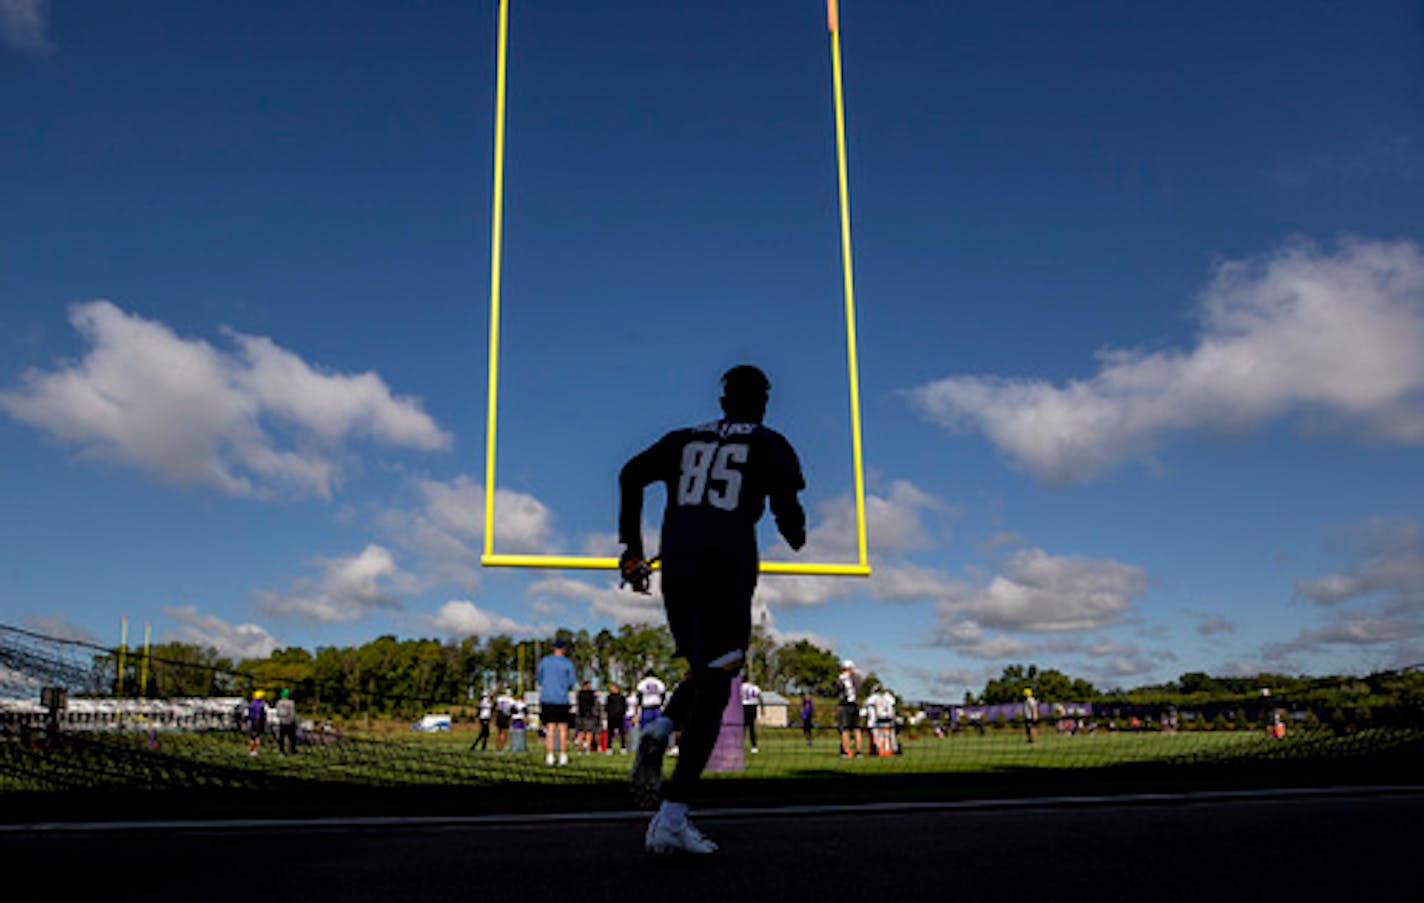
(775,710)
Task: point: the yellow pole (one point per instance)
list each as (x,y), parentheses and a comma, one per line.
(833,25)
(119,684)
(143,666)
(489,558)
(496,251)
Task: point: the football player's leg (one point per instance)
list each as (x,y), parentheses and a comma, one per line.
(708,689)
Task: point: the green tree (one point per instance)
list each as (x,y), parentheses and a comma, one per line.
(187,669)
(1048,685)
(643,646)
(803,666)
(293,667)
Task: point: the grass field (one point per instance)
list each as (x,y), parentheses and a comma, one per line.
(384,771)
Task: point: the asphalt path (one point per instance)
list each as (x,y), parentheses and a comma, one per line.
(1321,844)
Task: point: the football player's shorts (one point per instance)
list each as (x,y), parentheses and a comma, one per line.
(708,619)
(847,716)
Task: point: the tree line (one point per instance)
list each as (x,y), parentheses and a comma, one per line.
(1197,689)
(391,676)
(388,676)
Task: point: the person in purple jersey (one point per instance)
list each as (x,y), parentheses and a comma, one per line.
(719,477)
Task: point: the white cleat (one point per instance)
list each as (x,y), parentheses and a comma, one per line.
(563,758)
(549,759)
(665,840)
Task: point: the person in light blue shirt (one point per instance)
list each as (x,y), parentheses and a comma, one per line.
(556,679)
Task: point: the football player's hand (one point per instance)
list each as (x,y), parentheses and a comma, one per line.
(635,572)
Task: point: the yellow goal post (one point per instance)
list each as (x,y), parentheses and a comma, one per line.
(490,558)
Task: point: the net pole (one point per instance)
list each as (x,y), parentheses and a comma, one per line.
(496,252)
(852,366)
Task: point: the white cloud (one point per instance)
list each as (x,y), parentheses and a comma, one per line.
(1300,332)
(462,618)
(895,524)
(904,582)
(256,421)
(23,26)
(447,532)
(968,637)
(948,684)
(1387,575)
(1038,592)
(332,406)
(59,628)
(1390,553)
(236,641)
(1349,629)
(1211,625)
(622,605)
(347,589)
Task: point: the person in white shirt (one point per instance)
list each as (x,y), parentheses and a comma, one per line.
(649,693)
(504,709)
(867,716)
(751,707)
(486,706)
(1030,713)
(847,709)
(882,706)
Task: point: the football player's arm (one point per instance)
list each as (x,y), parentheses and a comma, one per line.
(785,506)
(640,470)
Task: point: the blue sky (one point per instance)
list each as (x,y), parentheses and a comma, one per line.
(1140,296)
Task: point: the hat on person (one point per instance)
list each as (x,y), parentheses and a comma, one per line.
(1028,692)
(561,643)
(286,692)
(258,695)
(847,665)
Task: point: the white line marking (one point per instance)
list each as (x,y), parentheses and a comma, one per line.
(436,821)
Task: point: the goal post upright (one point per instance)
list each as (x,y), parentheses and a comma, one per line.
(496,253)
(852,367)
(861,568)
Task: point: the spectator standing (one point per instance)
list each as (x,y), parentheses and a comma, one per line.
(808,715)
(883,708)
(615,712)
(848,710)
(586,724)
(751,708)
(1030,713)
(868,718)
(286,712)
(256,722)
(650,692)
(503,718)
(556,680)
(486,708)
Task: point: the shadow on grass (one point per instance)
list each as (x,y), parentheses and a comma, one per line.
(131,784)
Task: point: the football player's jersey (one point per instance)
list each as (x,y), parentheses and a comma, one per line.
(719,476)
(751,694)
(884,707)
(650,693)
(847,687)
